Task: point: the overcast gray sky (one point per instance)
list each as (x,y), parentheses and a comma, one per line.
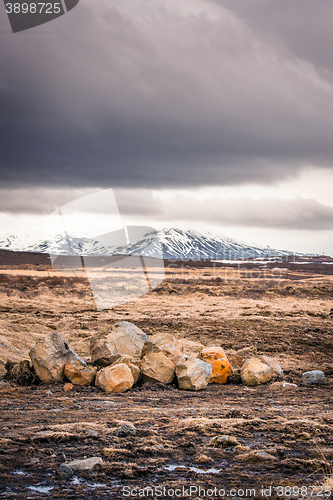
(170,99)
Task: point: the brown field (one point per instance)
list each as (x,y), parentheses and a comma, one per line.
(286,313)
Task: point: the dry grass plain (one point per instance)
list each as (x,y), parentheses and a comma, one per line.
(285,435)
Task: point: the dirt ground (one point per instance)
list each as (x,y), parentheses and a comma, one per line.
(284,433)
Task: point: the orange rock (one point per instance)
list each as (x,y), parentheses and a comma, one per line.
(127,360)
(68,387)
(220,364)
(80,375)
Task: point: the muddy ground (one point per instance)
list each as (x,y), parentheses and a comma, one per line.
(284,433)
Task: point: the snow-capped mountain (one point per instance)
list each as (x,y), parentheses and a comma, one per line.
(172,244)
(190,244)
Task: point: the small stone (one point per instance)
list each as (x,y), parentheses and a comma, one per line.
(223,441)
(85,464)
(203,459)
(288,385)
(283,386)
(255,372)
(68,387)
(34,461)
(125,430)
(264,456)
(92,434)
(313,377)
(48,393)
(65,471)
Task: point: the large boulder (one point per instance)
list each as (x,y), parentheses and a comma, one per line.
(193,374)
(116,378)
(220,364)
(157,367)
(80,375)
(255,372)
(124,339)
(50,355)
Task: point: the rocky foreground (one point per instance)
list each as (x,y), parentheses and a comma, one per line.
(227,435)
(124,450)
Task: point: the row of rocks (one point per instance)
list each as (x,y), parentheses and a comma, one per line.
(125,354)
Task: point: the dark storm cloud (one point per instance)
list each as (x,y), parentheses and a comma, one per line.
(155,94)
(304,26)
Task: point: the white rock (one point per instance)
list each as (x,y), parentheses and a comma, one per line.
(86,464)
(192,373)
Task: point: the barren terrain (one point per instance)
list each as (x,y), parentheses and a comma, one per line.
(284,433)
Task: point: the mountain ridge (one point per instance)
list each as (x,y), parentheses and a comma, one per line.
(171,243)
